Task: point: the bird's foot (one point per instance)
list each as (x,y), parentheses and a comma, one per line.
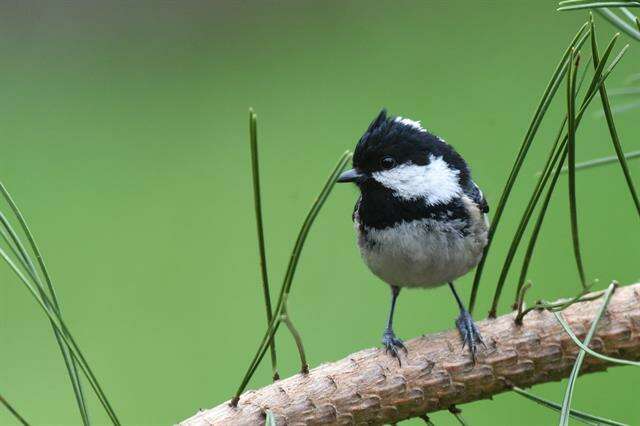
(392,344)
(469,333)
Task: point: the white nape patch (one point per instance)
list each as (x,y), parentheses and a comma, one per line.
(436,182)
(411,123)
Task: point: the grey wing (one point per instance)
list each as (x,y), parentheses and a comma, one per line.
(474,192)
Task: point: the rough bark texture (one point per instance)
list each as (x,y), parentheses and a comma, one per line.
(370,387)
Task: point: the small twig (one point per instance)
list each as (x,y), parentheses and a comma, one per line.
(304,369)
(520,303)
(562,304)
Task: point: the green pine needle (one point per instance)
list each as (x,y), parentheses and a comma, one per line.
(47,298)
(257,201)
(291,268)
(589,4)
(27,274)
(270,419)
(571,144)
(603,161)
(539,221)
(611,124)
(575,414)
(566,402)
(621,24)
(588,350)
(543,106)
(599,76)
(13,411)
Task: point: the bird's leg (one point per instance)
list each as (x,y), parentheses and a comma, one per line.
(389,339)
(468,330)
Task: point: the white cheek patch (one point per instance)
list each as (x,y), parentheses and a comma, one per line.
(436,182)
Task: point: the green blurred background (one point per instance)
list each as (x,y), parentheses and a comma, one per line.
(125,141)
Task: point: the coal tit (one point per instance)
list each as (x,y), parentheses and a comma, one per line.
(420,220)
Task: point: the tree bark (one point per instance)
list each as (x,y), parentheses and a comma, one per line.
(370,387)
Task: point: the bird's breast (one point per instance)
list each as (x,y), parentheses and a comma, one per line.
(424,252)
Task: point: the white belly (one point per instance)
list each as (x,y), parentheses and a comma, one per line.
(423,253)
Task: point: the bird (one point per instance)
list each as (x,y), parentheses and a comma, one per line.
(420,220)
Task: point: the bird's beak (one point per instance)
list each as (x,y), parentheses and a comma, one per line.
(351,176)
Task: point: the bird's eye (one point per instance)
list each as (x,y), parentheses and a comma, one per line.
(388,162)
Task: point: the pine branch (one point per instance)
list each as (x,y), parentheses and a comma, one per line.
(369,386)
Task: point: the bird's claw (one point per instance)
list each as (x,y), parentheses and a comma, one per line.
(392,344)
(469,333)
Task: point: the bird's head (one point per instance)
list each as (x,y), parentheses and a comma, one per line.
(398,155)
